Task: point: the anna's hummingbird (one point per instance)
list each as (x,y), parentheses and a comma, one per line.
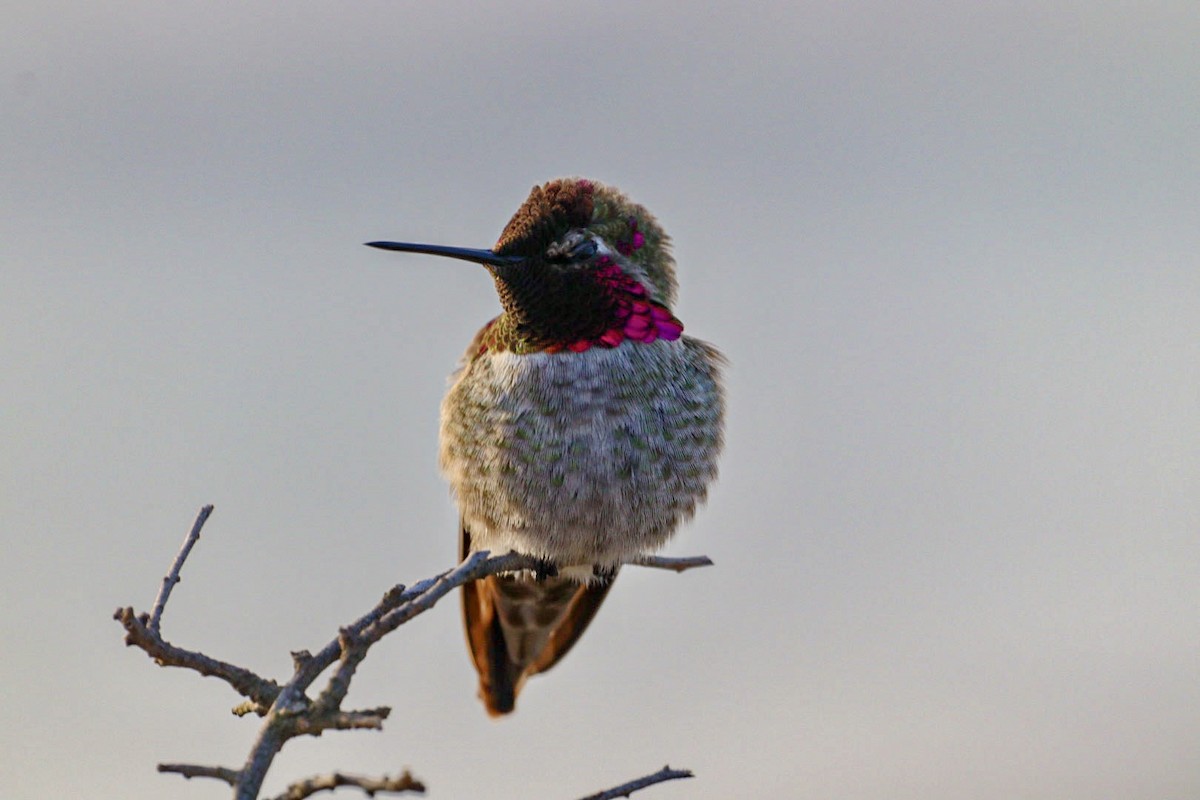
(581,427)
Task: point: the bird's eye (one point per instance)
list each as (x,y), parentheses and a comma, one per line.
(583,251)
(571,251)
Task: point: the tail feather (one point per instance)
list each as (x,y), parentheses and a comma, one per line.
(517,626)
(498,675)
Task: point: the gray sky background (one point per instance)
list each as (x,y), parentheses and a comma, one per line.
(949,249)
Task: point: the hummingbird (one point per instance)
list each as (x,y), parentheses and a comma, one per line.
(581,428)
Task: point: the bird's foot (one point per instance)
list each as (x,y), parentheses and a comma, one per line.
(605,574)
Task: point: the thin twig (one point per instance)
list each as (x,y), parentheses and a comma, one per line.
(674,564)
(626,789)
(190,771)
(404,782)
(312,724)
(259,690)
(172,577)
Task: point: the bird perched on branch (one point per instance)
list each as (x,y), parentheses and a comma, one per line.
(582,426)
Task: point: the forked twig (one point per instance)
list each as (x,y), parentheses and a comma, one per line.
(288,710)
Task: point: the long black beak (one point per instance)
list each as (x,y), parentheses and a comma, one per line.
(486,257)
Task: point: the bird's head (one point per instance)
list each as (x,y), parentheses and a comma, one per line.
(579,265)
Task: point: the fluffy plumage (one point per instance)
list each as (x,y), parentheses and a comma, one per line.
(582,427)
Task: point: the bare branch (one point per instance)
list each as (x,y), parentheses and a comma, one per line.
(172,576)
(309,667)
(425,594)
(404,782)
(396,608)
(190,771)
(287,709)
(626,789)
(671,563)
(312,724)
(261,691)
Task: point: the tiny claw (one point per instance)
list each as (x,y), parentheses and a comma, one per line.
(605,574)
(545,569)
